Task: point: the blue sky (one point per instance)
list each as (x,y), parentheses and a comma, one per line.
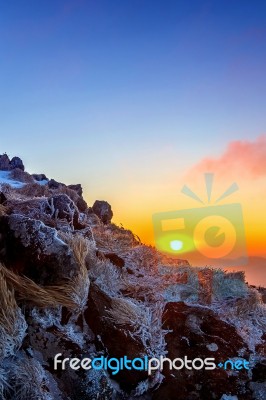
(106,91)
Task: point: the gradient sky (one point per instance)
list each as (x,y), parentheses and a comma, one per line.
(126,96)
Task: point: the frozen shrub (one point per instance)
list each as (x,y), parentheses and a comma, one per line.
(29,380)
(4,385)
(225,286)
(12,322)
(34,190)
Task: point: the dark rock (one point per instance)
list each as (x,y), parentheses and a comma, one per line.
(3,198)
(77,188)
(103,210)
(115,259)
(52,184)
(117,341)
(4,162)
(259,372)
(31,248)
(65,208)
(7,165)
(197,332)
(39,177)
(16,162)
(81,204)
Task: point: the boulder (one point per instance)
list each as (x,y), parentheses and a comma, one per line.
(197,332)
(39,177)
(16,162)
(7,165)
(65,208)
(4,162)
(77,188)
(81,204)
(33,249)
(103,210)
(52,184)
(115,340)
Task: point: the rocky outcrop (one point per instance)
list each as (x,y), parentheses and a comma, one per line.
(39,177)
(197,332)
(116,340)
(64,208)
(6,164)
(53,184)
(77,188)
(35,250)
(16,162)
(103,210)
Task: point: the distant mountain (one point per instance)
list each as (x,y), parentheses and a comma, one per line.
(255,270)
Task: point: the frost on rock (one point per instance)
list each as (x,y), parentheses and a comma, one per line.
(73,282)
(97,384)
(47,317)
(29,380)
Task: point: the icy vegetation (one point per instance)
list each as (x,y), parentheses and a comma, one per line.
(72,282)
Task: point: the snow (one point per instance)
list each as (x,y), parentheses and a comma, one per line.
(5,178)
(43,182)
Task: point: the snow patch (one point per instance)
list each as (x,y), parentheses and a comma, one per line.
(5,179)
(42,183)
(212,347)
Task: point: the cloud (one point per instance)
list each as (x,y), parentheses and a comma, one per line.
(246,159)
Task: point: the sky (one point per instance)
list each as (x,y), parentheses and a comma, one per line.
(129,97)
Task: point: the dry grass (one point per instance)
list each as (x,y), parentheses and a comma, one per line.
(8,310)
(71,294)
(125,312)
(248,305)
(78,244)
(113,239)
(34,190)
(21,176)
(12,322)
(27,290)
(80,285)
